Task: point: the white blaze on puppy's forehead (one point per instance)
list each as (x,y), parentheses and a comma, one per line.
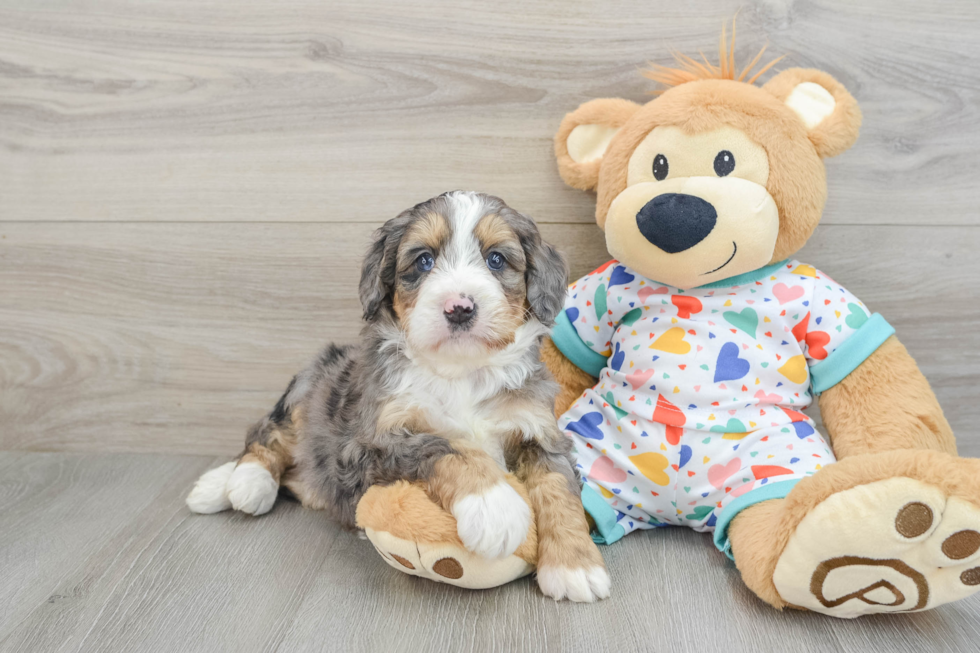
(468,210)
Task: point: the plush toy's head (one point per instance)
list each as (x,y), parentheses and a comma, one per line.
(716,176)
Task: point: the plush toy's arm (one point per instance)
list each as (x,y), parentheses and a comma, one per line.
(572,380)
(885,403)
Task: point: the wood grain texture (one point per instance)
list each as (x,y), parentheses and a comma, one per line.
(345,110)
(100,554)
(69,526)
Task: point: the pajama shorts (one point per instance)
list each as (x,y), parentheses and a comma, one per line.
(640,474)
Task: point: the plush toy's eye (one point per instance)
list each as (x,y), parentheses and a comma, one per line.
(724,163)
(495,260)
(424,262)
(660,167)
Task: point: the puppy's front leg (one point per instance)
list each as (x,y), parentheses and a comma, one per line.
(569,563)
(492,519)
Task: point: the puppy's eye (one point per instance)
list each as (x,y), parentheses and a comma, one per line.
(495,260)
(660,167)
(424,262)
(724,163)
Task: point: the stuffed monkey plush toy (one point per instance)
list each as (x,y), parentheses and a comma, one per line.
(686,361)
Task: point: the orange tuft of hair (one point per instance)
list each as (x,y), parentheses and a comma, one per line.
(692,70)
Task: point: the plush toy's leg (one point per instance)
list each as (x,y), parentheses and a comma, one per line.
(416,536)
(893,526)
(890,532)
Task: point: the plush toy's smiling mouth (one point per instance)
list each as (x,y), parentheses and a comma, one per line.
(735,249)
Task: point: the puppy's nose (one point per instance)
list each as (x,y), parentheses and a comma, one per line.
(459,310)
(675,222)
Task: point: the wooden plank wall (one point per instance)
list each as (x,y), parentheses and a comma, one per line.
(186,188)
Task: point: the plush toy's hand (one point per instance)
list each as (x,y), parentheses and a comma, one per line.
(572,380)
(416,536)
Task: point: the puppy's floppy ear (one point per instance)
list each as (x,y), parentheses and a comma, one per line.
(585,135)
(378,269)
(830,114)
(546,275)
(547,283)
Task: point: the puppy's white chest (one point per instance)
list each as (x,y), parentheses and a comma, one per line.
(458,413)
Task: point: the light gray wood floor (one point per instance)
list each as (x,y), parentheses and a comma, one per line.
(185,192)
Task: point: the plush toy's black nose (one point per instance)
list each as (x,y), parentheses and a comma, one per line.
(675,222)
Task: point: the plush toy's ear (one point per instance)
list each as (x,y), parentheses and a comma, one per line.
(583,137)
(830,114)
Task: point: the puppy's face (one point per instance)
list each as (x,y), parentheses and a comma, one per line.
(464,271)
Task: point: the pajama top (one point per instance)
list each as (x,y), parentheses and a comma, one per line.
(700,392)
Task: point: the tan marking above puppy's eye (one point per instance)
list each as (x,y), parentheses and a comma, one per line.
(497,237)
(427,236)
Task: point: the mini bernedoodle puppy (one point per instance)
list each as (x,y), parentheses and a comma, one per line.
(445,387)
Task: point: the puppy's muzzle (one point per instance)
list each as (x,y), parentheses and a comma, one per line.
(459,312)
(675,222)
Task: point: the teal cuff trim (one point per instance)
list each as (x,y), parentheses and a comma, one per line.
(746,277)
(608,528)
(567,340)
(771,490)
(854,351)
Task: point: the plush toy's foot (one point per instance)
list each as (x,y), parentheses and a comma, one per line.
(891,532)
(890,546)
(417,537)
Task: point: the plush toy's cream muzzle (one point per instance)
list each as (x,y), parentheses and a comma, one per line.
(690,231)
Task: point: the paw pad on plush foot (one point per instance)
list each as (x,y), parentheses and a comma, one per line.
(447,562)
(446,567)
(896,545)
(493,524)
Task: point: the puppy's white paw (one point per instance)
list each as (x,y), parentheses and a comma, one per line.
(210,494)
(579,585)
(252,489)
(492,524)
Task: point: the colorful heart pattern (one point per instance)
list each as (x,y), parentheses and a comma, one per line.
(747,320)
(652,465)
(728,366)
(785,294)
(605,471)
(672,342)
(702,395)
(587,426)
(718,475)
(639,378)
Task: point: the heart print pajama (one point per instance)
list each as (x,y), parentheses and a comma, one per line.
(698,410)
